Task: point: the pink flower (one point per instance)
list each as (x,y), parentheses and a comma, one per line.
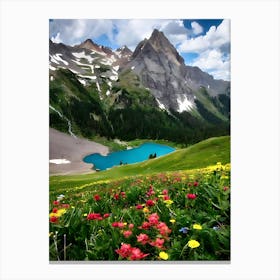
(115,224)
(153,219)
(123,194)
(225,188)
(136,254)
(163,229)
(96,197)
(165,192)
(143,238)
(65,205)
(139,206)
(125,250)
(191,196)
(166,197)
(145,225)
(150,202)
(106,215)
(131,226)
(157,243)
(94,216)
(127,233)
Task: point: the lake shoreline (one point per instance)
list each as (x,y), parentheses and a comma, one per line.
(69,152)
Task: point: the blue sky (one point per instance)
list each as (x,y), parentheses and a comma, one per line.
(201,42)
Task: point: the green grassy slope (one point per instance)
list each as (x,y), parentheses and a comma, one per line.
(205,153)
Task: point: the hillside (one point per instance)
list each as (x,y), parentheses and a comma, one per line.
(203,154)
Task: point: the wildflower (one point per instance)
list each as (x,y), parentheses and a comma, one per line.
(65,205)
(184,230)
(225,188)
(106,215)
(191,196)
(166,197)
(195,184)
(115,224)
(197,226)
(85,214)
(127,233)
(121,225)
(138,206)
(150,202)
(123,194)
(60,212)
(153,219)
(116,196)
(125,250)
(136,254)
(165,192)
(96,197)
(163,229)
(131,226)
(172,221)
(54,210)
(53,219)
(146,210)
(145,225)
(56,202)
(216,227)
(193,243)
(94,216)
(168,202)
(143,238)
(157,243)
(163,255)
(60,197)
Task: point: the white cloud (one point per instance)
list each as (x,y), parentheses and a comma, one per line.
(197,28)
(75,31)
(214,38)
(215,63)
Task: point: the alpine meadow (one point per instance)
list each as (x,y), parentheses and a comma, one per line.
(139,137)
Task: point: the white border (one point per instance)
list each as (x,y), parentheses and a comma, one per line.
(255,138)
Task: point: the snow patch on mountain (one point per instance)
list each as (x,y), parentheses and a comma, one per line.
(184,105)
(83,55)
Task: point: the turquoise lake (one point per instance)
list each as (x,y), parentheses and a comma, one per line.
(134,155)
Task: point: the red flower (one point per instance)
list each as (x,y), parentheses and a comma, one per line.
(225,188)
(65,205)
(165,192)
(96,197)
(191,196)
(150,202)
(145,225)
(115,224)
(94,216)
(56,202)
(153,219)
(127,233)
(116,196)
(158,243)
(166,197)
(139,206)
(53,219)
(125,250)
(163,229)
(123,194)
(136,254)
(54,210)
(195,184)
(143,238)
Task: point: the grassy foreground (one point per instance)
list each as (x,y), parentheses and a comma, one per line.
(200,155)
(174,208)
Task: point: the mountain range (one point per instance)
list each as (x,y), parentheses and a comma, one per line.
(147,93)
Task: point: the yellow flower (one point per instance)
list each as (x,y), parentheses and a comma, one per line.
(168,201)
(172,221)
(85,214)
(146,210)
(193,243)
(197,226)
(163,255)
(59,213)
